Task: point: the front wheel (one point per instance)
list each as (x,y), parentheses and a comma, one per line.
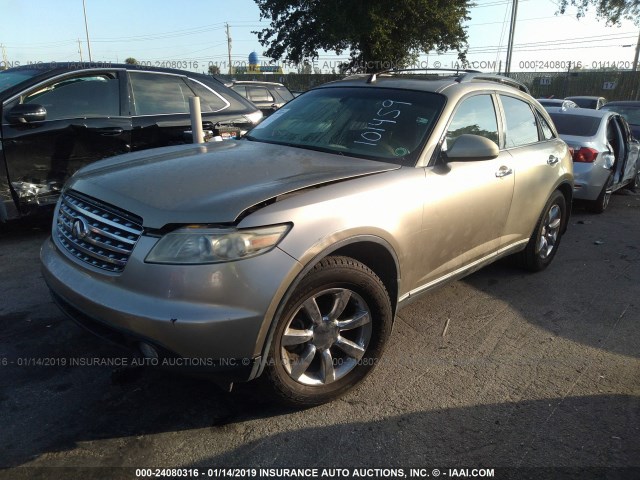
(331,333)
(545,240)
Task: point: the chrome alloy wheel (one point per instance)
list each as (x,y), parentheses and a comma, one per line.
(549,231)
(326,337)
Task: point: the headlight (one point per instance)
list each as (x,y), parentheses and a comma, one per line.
(197,245)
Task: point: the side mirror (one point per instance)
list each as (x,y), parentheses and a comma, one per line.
(26,113)
(472,147)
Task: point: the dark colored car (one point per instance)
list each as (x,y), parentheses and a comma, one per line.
(267,96)
(630,110)
(595,103)
(57,118)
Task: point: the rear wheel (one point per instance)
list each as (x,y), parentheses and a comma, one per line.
(635,181)
(545,240)
(331,333)
(601,203)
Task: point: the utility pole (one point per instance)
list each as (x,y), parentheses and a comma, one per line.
(80,50)
(635,58)
(86,28)
(512,32)
(229,48)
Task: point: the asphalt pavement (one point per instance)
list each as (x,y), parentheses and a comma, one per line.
(503,369)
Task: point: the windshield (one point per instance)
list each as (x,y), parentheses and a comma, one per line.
(630,113)
(375,123)
(12,77)
(585,102)
(580,126)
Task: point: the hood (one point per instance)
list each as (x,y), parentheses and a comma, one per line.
(213,182)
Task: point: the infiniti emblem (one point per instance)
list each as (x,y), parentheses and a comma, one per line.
(80,228)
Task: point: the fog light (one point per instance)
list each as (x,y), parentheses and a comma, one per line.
(148,351)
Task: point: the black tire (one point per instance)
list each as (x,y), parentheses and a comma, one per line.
(545,240)
(335,281)
(601,203)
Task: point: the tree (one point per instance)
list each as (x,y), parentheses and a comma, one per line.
(613,11)
(131,61)
(378,34)
(214,70)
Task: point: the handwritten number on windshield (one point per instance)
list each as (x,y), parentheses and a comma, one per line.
(372,135)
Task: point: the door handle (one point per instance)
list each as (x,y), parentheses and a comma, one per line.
(110,131)
(552,160)
(503,172)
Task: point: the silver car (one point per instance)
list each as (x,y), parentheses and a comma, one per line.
(605,154)
(288,253)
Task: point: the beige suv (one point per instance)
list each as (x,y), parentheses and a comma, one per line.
(287,253)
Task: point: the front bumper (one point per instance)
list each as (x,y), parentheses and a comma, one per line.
(218,314)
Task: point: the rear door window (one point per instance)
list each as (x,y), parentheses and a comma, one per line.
(521,128)
(157,94)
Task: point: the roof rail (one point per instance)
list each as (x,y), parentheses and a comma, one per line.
(427,70)
(489,77)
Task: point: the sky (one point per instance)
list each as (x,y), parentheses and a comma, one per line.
(192,35)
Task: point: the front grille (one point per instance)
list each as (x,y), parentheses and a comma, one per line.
(96,233)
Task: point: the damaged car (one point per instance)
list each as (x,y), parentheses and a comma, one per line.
(286,255)
(606,157)
(57,118)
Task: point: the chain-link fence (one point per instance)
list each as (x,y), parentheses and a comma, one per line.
(613,85)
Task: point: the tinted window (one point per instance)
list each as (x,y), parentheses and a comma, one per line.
(284,93)
(259,94)
(475,115)
(78,97)
(585,102)
(521,128)
(11,77)
(209,101)
(579,125)
(630,113)
(241,89)
(156,94)
(375,123)
(550,103)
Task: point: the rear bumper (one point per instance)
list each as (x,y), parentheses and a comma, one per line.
(589,180)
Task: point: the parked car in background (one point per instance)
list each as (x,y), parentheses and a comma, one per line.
(595,103)
(605,155)
(287,253)
(267,96)
(57,118)
(553,104)
(630,110)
